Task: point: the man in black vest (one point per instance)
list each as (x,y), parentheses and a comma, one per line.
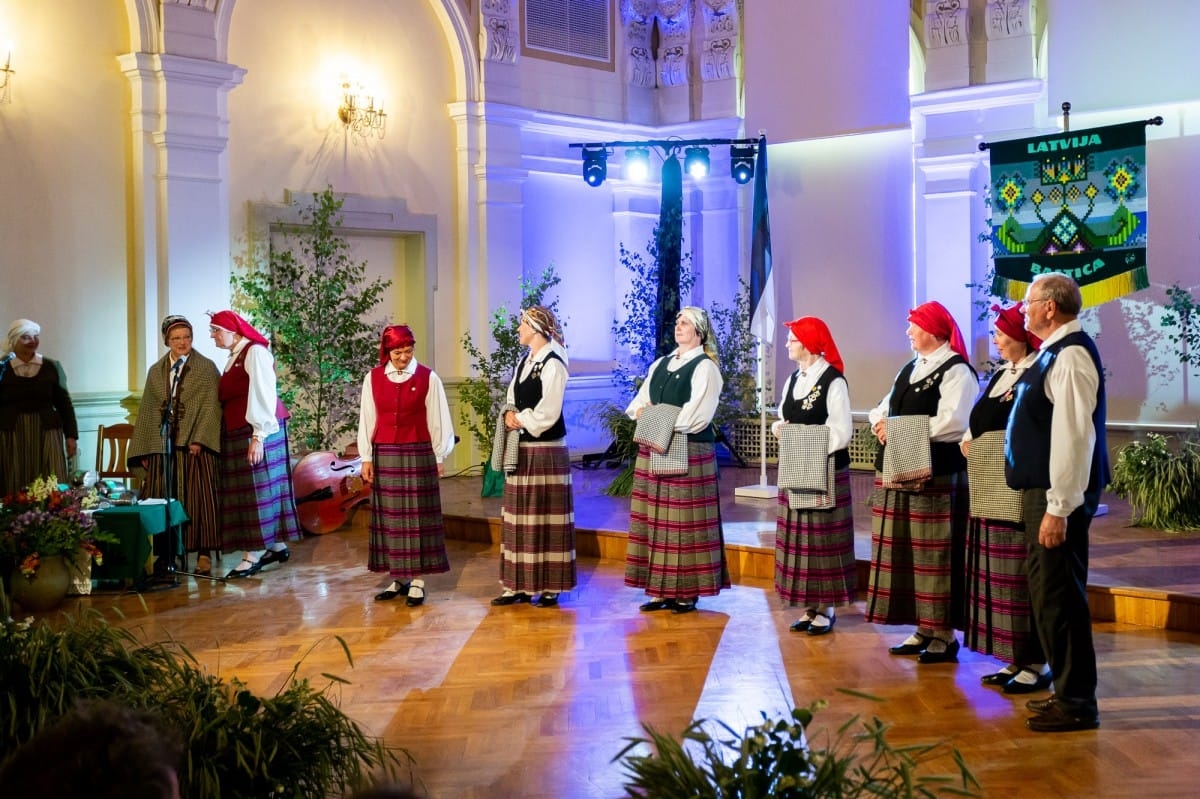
(1056,452)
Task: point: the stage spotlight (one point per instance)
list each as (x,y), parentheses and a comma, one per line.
(741,162)
(595,165)
(695,161)
(637,164)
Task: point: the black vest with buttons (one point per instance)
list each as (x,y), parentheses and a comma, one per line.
(922,398)
(813,409)
(675,388)
(527,394)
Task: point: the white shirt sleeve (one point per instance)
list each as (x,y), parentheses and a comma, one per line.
(697,413)
(956,398)
(542,416)
(437,417)
(1072,383)
(841,420)
(262,399)
(366,421)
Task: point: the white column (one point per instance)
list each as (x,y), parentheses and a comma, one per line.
(180,214)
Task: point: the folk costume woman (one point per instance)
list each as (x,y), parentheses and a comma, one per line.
(814,549)
(404,435)
(918,534)
(998,620)
(537,537)
(676,551)
(38,431)
(181,392)
(258,514)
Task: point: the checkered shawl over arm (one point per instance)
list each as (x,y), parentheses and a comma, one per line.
(674,461)
(505,444)
(906,458)
(991,498)
(656,426)
(803,452)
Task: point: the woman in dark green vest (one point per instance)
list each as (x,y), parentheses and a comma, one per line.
(676,551)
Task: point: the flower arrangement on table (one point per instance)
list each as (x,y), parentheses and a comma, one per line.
(44,520)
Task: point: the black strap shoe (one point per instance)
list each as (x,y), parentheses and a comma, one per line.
(392,591)
(946,654)
(657,604)
(911,649)
(510,599)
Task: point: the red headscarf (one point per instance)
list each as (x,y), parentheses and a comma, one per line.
(228,320)
(933,318)
(1011,322)
(394,337)
(814,335)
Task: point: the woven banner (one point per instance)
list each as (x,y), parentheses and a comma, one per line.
(1071,202)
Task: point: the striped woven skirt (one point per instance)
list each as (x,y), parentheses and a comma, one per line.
(676,548)
(814,550)
(28,452)
(917,564)
(257,509)
(195,486)
(998,618)
(407,538)
(537,535)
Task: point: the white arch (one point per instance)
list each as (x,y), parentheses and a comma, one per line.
(464,51)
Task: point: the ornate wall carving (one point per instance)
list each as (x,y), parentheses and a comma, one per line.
(499,38)
(1008,18)
(720,47)
(675,33)
(637,18)
(207,5)
(946,24)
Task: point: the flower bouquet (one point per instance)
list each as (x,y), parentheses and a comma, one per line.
(43,521)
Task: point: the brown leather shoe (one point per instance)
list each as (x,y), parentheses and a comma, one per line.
(1060,717)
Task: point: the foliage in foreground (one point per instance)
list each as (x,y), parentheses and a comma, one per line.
(777,759)
(297,743)
(1161,484)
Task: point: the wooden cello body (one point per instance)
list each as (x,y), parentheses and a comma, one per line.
(327,488)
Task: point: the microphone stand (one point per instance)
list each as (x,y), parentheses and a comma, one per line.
(170,416)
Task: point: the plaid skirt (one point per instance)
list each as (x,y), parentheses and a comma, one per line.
(195,486)
(998,618)
(407,538)
(814,550)
(537,534)
(917,563)
(28,452)
(257,509)
(676,548)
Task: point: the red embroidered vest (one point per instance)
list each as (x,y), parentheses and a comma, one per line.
(234,391)
(400,407)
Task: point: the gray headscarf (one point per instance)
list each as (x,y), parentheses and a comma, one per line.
(21,327)
(699,319)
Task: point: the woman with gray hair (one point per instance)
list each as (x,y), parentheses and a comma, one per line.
(676,551)
(38,431)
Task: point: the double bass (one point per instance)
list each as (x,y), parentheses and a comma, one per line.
(327,488)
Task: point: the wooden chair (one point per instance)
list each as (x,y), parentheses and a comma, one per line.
(112,447)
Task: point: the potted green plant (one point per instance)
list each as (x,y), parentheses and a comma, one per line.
(294,743)
(314,301)
(1159,477)
(483,393)
(783,758)
(44,533)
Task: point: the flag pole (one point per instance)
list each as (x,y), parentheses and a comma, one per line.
(762,489)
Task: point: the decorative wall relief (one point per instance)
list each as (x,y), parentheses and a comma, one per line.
(637,17)
(945,24)
(498,35)
(675,32)
(1009,18)
(720,48)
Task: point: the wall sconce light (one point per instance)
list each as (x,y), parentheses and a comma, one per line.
(6,74)
(741,162)
(359,114)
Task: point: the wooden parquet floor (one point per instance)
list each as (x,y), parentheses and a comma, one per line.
(531,702)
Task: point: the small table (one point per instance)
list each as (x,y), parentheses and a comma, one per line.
(133,525)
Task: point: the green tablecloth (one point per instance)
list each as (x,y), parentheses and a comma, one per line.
(133,525)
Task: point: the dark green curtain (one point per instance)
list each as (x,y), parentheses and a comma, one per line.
(670,254)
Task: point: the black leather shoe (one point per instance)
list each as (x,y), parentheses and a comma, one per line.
(547,600)
(997,679)
(684,606)
(415,599)
(802,624)
(1015,686)
(254,568)
(822,629)
(947,655)
(510,599)
(271,556)
(392,592)
(657,604)
(911,649)
(1060,717)
(1040,705)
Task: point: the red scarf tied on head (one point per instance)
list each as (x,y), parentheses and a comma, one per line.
(816,338)
(394,337)
(933,318)
(1011,322)
(228,320)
